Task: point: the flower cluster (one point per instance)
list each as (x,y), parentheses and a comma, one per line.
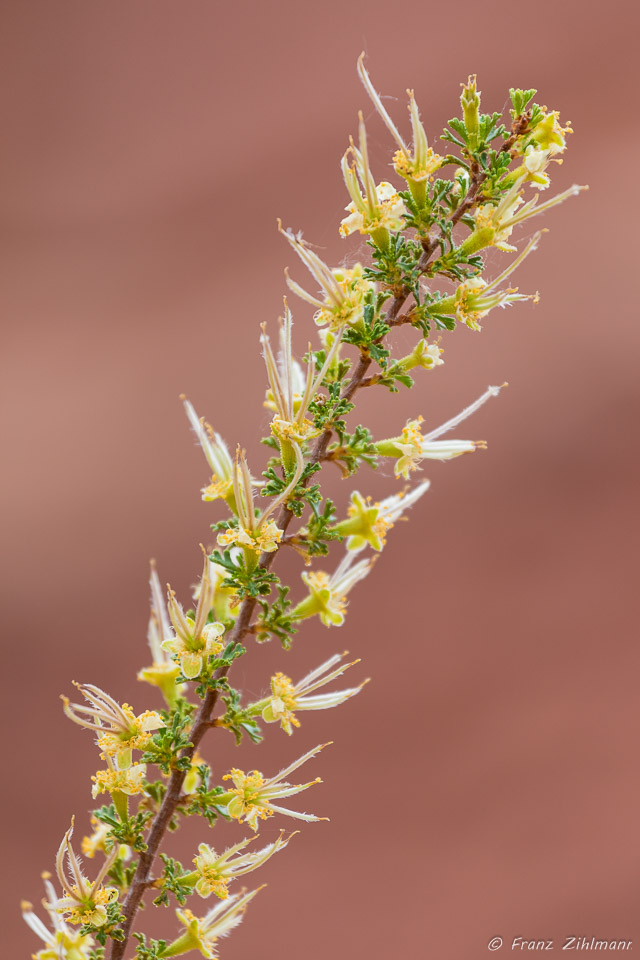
(428,232)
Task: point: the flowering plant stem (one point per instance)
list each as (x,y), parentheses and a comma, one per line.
(203,720)
(416,241)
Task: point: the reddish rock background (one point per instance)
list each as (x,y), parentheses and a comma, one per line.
(486,783)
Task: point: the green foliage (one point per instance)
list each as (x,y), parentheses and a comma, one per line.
(440,202)
(121,873)
(131,831)
(328,412)
(149,949)
(368,337)
(275,619)
(156,790)
(494,165)
(302,493)
(490,126)
(222,662)
(452,264)
(168,742)
(520,100)
(396,267)
(442,321)
(205,800)
(171,881)
(353,449)
(317,535)
(240,722)
(247,583)
(393,376)
(338,371)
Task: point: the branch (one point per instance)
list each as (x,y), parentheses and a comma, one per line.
(203,719)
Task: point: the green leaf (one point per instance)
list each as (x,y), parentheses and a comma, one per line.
(149,949)
(169,741)
(246,583)
(354,449)
(203,802)
(239,721)
(520,100)
(172,882)
(301,495)
(275,619)
(131,832)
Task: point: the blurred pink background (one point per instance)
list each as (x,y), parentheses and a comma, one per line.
(486,782)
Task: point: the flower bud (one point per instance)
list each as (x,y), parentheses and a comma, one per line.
(427,355)
(470,102)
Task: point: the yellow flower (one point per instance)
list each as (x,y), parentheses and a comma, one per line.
(61,941)
(291,391)
(119,730)
(112,780)
(415,169)
(549,135)
(494,224)
(344,288)
(265,538)
(214,872)
(111,743)
(85,901)
(287,697)
(385,212)
(203,933)
(497,221)
(195,638)
(253,534)
(217,456)
(354,287)
(364,522)
(251,796)
(412,447)
(298,431)
(535,162)
(368,523)
(163,672)
(475,298)
(373,209)
(327,594)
